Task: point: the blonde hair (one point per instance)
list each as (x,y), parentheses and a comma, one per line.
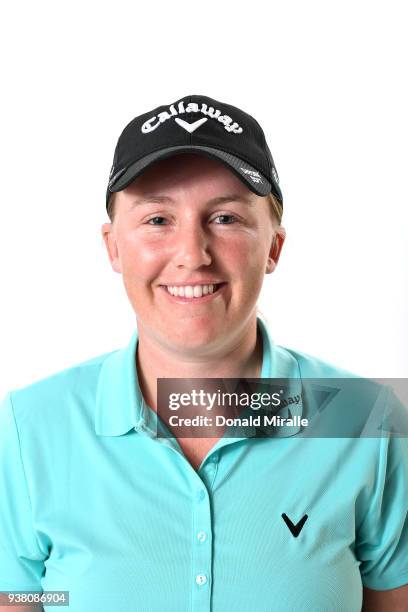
(276,207)
(110,207)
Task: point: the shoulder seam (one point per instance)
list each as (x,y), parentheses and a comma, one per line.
(23,467)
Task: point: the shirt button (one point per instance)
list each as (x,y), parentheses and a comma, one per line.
(201,536)
(200,495)
(201,579)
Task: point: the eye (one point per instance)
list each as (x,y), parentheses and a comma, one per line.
(159,219)
(226,219)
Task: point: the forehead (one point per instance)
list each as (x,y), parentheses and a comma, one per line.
(196,174)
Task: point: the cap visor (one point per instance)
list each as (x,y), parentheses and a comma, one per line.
(252,178)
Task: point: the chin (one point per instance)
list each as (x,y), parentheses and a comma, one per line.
(194,333)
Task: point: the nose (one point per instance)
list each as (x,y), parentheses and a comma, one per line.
(192,247)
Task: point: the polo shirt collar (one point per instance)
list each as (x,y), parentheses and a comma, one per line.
(118,396)
(119,402)
(279,363)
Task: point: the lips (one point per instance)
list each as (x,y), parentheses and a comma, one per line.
(190,293)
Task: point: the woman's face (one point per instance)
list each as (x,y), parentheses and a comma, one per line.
(189,221)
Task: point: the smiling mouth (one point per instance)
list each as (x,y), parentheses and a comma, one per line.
(193,291)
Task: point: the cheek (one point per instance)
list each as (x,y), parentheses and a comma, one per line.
(247,253)
(247,257)
(144,257)
(141,259)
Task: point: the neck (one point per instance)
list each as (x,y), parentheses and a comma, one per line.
(241,358)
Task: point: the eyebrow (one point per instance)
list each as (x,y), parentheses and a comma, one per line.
(162,199)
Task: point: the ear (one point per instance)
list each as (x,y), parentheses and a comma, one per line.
(111,246)
(276,249)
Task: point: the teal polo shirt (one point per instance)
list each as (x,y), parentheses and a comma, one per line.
(94,503)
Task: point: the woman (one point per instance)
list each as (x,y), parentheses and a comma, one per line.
(94,502)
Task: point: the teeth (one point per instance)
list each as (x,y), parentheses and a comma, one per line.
(190,291)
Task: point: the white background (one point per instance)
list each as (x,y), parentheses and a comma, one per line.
(328,83)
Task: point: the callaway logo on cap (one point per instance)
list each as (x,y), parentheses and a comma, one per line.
(196,124)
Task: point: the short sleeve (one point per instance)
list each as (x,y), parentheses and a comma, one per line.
(21,559)
(382,540)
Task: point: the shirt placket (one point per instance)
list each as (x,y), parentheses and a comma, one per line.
(202,524)
(202,536)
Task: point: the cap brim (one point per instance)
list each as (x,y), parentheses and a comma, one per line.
(254,180)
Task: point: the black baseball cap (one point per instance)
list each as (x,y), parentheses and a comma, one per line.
(201,125)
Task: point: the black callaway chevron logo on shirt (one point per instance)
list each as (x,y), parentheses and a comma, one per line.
(295,529)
